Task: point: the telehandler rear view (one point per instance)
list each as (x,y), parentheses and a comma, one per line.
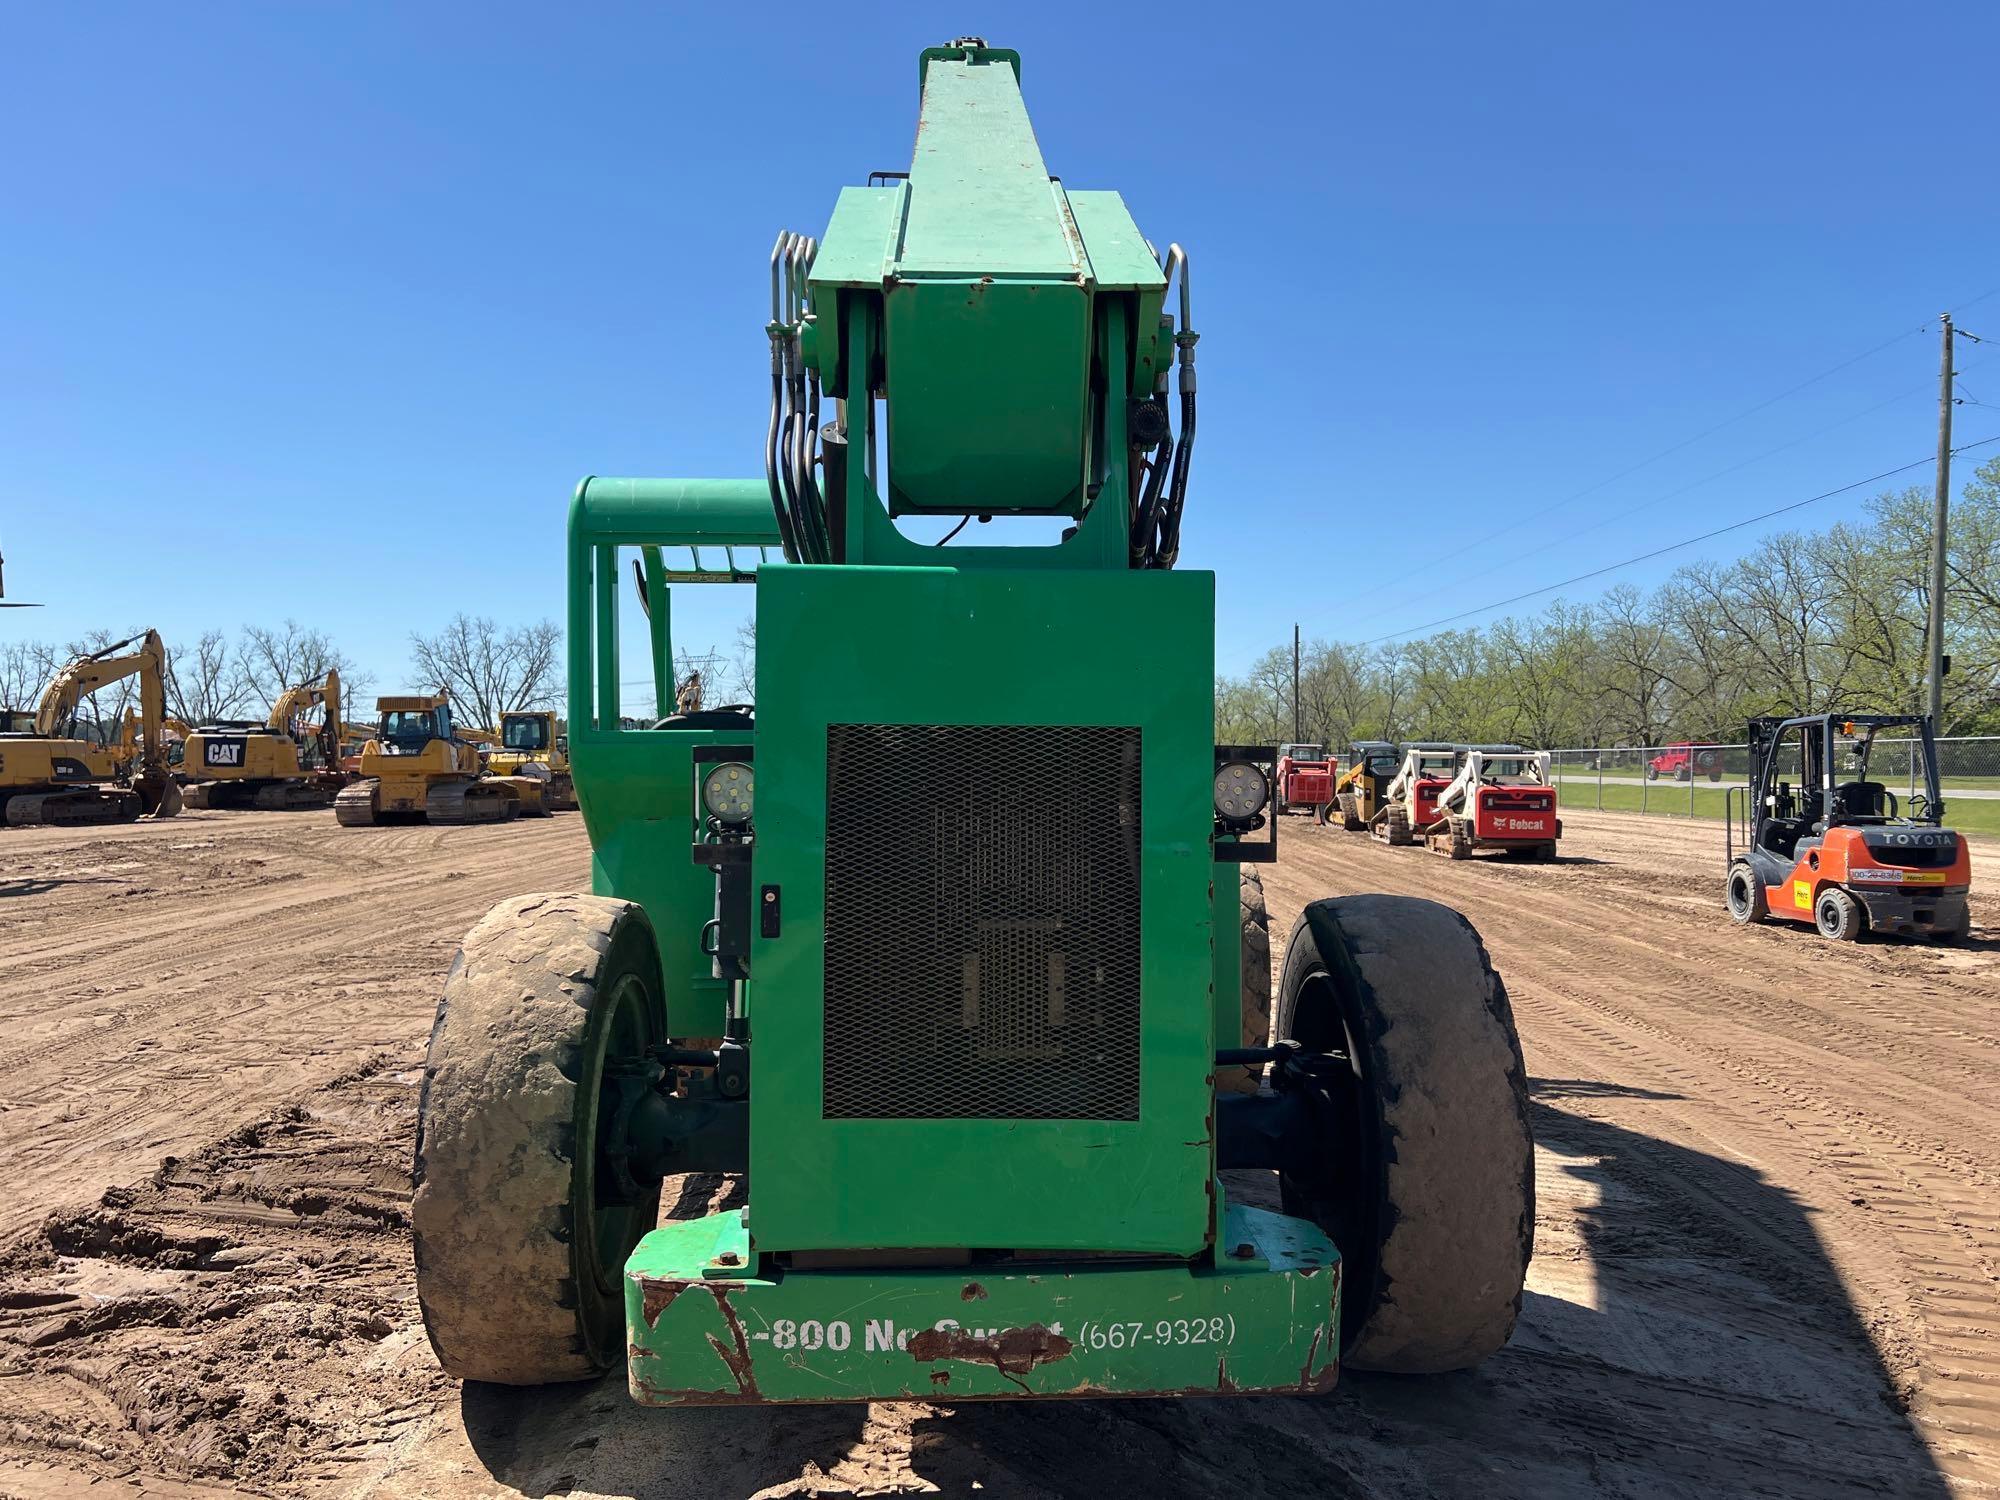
(939,947)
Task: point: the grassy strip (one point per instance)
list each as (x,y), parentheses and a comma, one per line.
(1670,799)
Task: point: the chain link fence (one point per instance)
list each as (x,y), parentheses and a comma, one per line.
(1689,779)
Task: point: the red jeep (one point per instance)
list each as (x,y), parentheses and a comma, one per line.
(1681,762)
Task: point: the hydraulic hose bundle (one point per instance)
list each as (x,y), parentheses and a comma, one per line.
(1156,516)
(796,502)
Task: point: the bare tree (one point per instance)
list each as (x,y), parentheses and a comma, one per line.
(274,660)
(208,684)
(25,670)
(489,672)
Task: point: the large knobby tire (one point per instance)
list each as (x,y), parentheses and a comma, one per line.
(1427,1185)
(1744,893)
(1255,922)
(519,1247)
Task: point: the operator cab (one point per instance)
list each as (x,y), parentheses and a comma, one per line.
(405,731)
(524,732)
(1379,756)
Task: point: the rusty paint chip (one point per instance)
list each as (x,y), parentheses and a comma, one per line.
(658,1297)
(1011,1351)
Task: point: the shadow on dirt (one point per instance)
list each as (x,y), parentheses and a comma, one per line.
(1686,1334)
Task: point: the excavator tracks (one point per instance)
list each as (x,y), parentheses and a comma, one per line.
(74,807)
(265,796)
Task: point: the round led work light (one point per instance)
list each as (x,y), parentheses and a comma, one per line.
(1240,791)
(726,791)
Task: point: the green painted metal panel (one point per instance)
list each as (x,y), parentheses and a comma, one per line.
(1119,259)
(1225,902)
(987,395)
(980,201)
(860,241)
(1101,538)
(986,647)
(701,1333)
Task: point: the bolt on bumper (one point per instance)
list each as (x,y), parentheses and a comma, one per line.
(700,1331)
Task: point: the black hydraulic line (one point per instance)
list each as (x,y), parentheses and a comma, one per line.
(809,480)
(1170,526)
(785,536)
(1146,527)
(788,540)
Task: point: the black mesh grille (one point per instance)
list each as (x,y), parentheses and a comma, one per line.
(982,922)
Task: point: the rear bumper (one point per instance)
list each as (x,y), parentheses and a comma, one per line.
(1913,911)
(699,1332)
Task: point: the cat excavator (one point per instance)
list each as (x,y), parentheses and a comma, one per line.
(280,764)
(51,775)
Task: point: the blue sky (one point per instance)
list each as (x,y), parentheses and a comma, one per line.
(320,311)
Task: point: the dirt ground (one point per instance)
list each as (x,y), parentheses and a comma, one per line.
(1767,1256)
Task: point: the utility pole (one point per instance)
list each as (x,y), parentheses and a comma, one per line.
(1940,513)
(1298,715)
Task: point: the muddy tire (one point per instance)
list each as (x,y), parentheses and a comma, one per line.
(1839,916)
(1399,827)
(1744,894)
(519,1245)
(1255,923)
(1427,1181)
(1350,815)
(1460,846)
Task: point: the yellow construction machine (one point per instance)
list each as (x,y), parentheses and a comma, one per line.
(51,775)
(285,762)
(529,746)
(416,767)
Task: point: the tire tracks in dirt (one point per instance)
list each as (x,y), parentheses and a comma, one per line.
(1861,1078)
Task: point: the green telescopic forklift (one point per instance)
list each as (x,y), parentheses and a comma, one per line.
(939,947)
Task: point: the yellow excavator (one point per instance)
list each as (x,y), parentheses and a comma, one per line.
(416,767)
(280,764)
(50,775)
(529,746)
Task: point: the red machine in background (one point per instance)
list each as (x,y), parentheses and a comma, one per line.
(1305,780)
(1683,762)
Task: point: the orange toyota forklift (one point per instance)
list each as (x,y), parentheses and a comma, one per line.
(1812,839)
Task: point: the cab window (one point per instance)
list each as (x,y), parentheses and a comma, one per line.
(526,733)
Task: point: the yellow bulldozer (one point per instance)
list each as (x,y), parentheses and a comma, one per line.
(283,763)
(417,768)
(50,774)
(528,745)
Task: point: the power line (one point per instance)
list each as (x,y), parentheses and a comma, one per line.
(1677,546)
(1568,537)
(1677,447)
